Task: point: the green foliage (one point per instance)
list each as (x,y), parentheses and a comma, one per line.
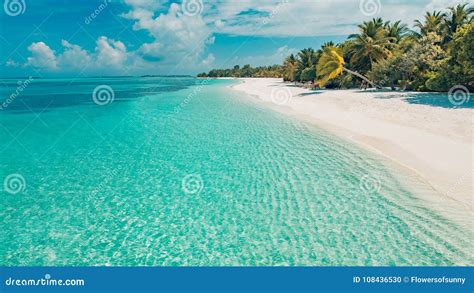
(275,71)
(462,54)
(371,44)
(290,68)
(435,56)
(428,57)
(330,65)
(458,67)
(396,71)
(308,74)
(458,16)
(436,81)
(432,23)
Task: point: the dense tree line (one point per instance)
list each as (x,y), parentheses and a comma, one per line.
(246,71)
(436,54)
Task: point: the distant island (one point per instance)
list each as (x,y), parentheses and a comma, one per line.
(435,55)
(246,71)
(174,75)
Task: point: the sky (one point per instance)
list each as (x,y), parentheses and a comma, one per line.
(47,38)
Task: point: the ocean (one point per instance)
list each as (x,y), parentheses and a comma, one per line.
(161,171)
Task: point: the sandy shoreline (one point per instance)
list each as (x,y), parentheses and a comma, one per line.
(435,143)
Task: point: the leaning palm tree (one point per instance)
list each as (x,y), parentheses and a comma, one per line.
(331,64)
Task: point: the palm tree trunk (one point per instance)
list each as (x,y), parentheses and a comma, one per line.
(360,76)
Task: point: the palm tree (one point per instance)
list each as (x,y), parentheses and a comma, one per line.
(327,44)
(369,28)
(367,49)
(396,31)
(432,23)
(307,57)
(331,64)
(373,42)
(290,68)
(458,16)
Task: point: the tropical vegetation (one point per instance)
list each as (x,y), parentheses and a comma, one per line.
(246,71)
(436,54)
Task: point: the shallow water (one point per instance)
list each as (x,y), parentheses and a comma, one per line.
(196,175)
(461,100)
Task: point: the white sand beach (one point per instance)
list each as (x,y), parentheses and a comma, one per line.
(436,144)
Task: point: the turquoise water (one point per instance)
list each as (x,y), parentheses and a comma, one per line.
(463,100)
(458,100)
(173,172)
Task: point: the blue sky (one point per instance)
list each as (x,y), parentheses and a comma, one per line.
(137,37)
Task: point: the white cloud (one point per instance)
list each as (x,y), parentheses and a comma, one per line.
(151,49)
(309,18)
(180,40)
(110,53)
(73,56)
(440,4)
(11,63)
(219,23)
(42,56)
(209,60)
(147,4)
(178,36)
